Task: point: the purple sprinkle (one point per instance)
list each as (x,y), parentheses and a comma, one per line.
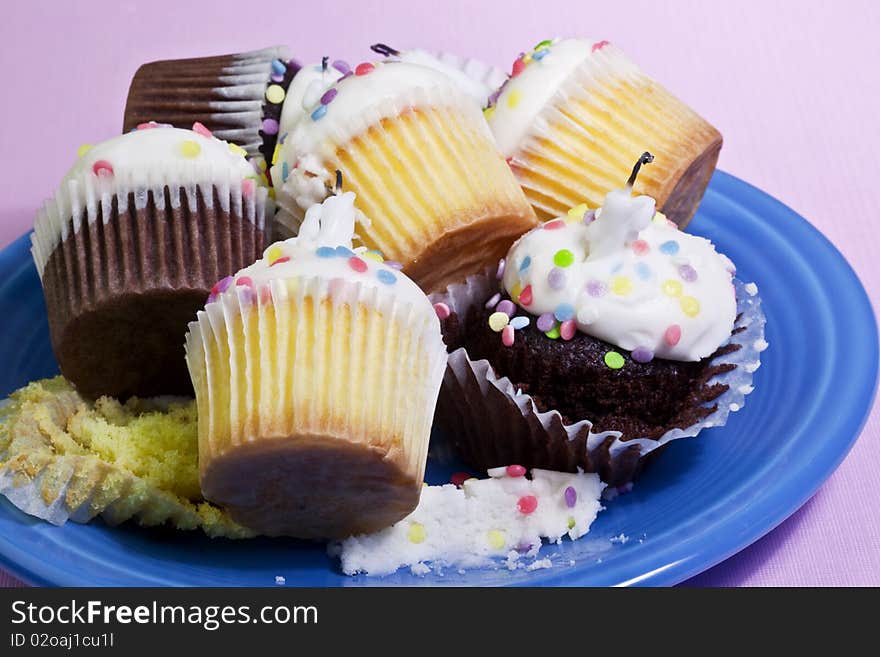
(294,64)
(687,273)
(556,278)
(346,75)
(328,96)
(246,295)
(224,283)
(571,497)
(393,264)
(597,288)
(501,265)
(507,307)
(211,299)
(523,547)
(270,126)
(493,300)
(589,217)
(642,355)
(341,66)
(546,322)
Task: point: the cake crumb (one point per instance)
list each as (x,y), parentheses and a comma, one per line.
(751,289)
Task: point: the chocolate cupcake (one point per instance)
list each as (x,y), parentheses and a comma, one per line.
(238,97)
(604,335)
(129,247)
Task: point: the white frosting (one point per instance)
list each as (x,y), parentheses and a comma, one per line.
(473,77)
(525,95)
(468,526)
(304,92)
(629,281)
(323,252)
(144,162)
(361,101)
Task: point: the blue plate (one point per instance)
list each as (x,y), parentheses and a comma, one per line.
(701,502)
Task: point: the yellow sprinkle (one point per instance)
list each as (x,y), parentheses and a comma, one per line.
(621,285)
(417,533)
(190,148)
(690,306)
(513,98)
(275,153)
(274,93)
(488,112)
(527,58)
(571,522)
(515,292)
(577,213)
(82,150)
(659,218)
(261,163)
(497,321)
(274,253)
(373,255)
(238,150)
(271,193)
(672,288)
(496,539)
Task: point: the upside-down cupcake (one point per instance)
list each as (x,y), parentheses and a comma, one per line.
(574,116)
(238,97)
(603,336)
(420,157)
(129,247)
(316,372)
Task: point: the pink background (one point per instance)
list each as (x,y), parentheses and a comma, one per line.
(791,85)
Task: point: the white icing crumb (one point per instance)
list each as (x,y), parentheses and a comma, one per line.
(752,367)
(751,289)
(280,580)
(734,407)
(620,538)
(475,525)
(760,344)
(746,390)
(539,564)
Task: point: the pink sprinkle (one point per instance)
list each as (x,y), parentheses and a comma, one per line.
(280,260)
(507,336)
(199,128)
(442,310)
(525,297)
(599,45)
(515,471)
(364,68)
(671,224)
(673,335)
(555,224)
(567,329)
(459,478)
(244,280)
(640,247)
(147,125)
(248,187)
(527,504)
(357,264)
(518,66)
(102,168)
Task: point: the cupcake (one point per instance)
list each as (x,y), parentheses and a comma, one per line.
(316,373)
(129,247)
(421,159)
(574,116)
(603,336)
(237,97)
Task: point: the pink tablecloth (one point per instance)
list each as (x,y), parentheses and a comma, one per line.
(791,85)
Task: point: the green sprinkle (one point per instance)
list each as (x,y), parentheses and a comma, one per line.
(553,333)
(563,258)
(546,43)
(571,522)
(613,360)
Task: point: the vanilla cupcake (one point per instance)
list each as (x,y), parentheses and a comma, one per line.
(574,116)
(129,247)
(316,372)
(416,150)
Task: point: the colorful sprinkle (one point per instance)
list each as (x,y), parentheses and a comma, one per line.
(525,297)
(416,533)
(458,478)
(546,322)
(363,68)
(672,288)
(546,43)
(222,285)
(343,251)
(328,96)
(83,149)
(320,111)
(278,67)
(571,497)
(642,355)
(248,187)
(325,252)
(241,281)
(641,247)
(553,333)
(274,253)
(614,360)
(393,264)
(147,126)
(563,258)
(280,260)
(496,539)
(493,300)
(514,98)
(357,264)
(488,112)
(270,127)
(518,66)
(515,291)
(190,149)
(564,312)
(672,335)
(497,321)
(442,310)
(567,329)
(690,306)
(507,306)
(519,323)
(556,278)
(525,264)
(589,217)
(275,94)
(102,168)
(596,288)
(577,213)
(599,45)
(508,336)
(554,224)
(386,277)
(539,54)
(238,150)
(515,470)
(527,504)
(499,274)
(200,129)
(643,271)
(285,171)
(621,285)
(341,66)
(669,248)
(687,273)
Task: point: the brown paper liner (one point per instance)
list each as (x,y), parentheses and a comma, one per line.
(120,290)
